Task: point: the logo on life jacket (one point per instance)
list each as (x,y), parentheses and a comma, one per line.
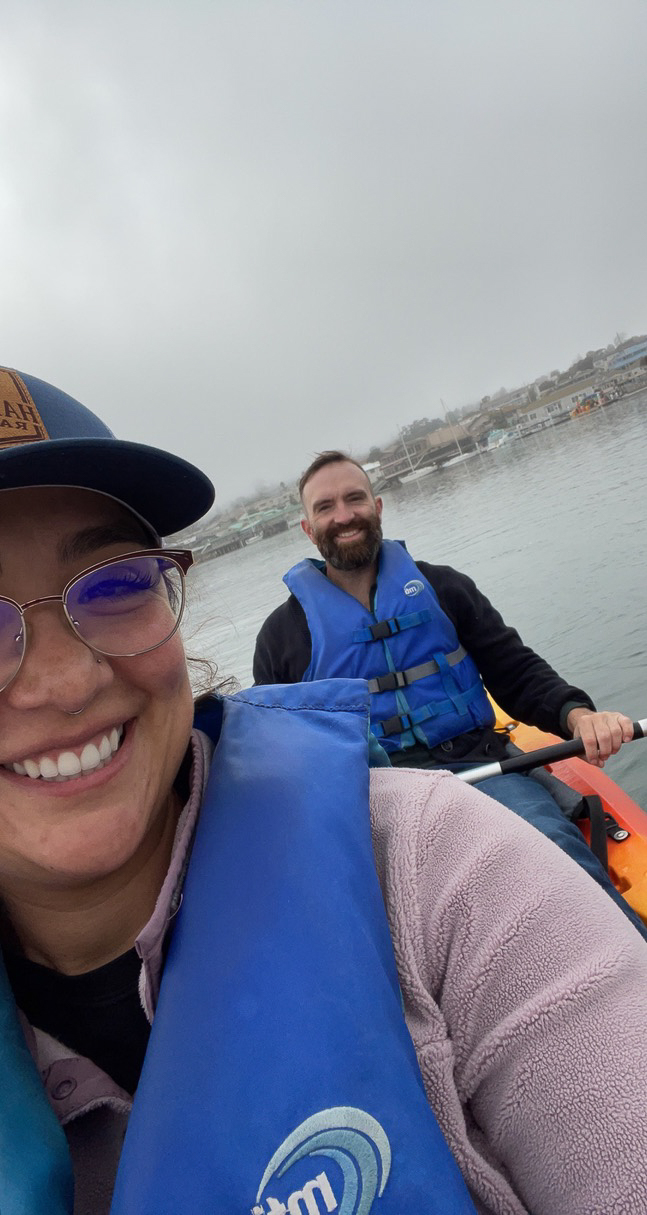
(354,1142)
(414,587)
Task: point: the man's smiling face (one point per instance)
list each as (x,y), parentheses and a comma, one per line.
(343,519)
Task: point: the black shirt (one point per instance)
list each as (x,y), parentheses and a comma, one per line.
(521,682)
(97,1014)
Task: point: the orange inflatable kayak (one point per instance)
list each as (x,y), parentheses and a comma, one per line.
(627,856)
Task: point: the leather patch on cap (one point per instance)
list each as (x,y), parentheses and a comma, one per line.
(20,421)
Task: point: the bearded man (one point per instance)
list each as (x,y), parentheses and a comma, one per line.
(428,642)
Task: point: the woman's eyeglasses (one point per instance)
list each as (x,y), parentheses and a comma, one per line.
(120,607)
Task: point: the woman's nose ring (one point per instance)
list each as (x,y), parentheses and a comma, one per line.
(76,712)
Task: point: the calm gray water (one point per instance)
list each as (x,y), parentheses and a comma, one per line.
(553,529)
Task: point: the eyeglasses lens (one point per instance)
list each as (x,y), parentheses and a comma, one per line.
(11,642)
(127,607)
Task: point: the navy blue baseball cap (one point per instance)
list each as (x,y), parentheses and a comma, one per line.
(48,438)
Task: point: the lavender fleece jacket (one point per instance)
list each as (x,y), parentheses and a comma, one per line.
(525,995)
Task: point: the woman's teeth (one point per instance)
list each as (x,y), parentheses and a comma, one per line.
(68,764)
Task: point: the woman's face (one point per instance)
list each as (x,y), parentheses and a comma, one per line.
(63,833)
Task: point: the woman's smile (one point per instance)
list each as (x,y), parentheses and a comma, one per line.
(72,762)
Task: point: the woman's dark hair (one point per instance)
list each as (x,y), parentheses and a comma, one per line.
(207,683)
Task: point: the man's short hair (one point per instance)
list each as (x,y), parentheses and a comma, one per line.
(324,458)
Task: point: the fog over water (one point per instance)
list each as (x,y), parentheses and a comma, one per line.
(249,231)
(553,529)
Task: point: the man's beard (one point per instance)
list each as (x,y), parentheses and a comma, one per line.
(362,552)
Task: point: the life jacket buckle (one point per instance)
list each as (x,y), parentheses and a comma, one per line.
(395,725)
(384,629)
(389,682)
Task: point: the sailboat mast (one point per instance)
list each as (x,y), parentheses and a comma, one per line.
(406,450)
(451,426)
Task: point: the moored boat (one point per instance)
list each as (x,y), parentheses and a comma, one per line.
(417,473)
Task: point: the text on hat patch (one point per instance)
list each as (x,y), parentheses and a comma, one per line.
(20,421)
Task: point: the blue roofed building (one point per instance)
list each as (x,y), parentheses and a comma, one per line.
(628,355)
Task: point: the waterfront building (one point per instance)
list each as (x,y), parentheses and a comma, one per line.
(554,406)
(629,355)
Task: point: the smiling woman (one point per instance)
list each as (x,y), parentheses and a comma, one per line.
(73,810)
(239,972)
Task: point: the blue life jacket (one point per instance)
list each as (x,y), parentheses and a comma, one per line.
(424,686)
(35,1165)
(280,1077)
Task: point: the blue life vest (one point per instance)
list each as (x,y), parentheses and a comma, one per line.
(424,686)
(35,1165)
(280,1077)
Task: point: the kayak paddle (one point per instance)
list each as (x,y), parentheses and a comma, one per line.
(536,759)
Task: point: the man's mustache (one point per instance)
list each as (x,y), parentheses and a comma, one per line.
(337,529)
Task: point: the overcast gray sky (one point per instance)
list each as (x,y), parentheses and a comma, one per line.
(247,231)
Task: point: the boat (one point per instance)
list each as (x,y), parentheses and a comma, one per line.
(417,473)
(626,821)
(464,455)
(499,438)
(587,405)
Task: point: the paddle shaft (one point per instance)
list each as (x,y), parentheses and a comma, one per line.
(536,759)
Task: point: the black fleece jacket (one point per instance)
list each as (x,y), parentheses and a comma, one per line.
(521,682)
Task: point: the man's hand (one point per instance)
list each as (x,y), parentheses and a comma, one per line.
(602,733)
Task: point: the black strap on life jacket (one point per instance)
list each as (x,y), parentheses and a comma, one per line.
(401,679)
(388,628)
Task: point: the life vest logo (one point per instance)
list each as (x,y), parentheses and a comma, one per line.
(414,587)
(20,421)
(349,1137)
